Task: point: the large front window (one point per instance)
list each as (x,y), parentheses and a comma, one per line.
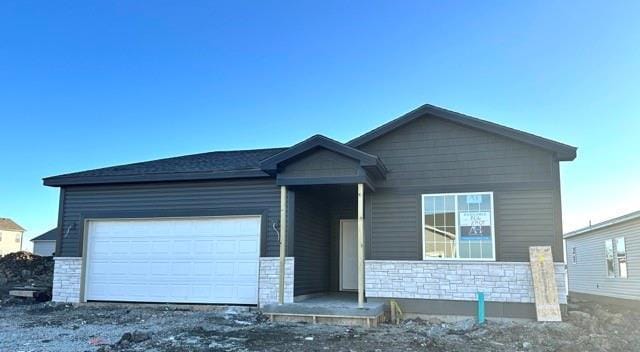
(458,226)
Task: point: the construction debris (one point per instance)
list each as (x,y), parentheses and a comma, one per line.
(109,328)
(23,271)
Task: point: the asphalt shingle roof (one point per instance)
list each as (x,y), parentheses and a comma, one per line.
(237,162)
(50,235)
(10,225)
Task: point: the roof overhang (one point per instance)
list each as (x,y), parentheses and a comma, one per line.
(58,181)
(370,166)
(562,151)
(624,218)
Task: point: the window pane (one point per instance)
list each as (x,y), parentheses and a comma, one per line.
(475,225)
(439,223)
(608,247)
(621,255)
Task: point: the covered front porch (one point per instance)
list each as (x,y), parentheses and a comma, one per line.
(323,186)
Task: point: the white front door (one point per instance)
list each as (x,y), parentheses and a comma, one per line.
(348,255)
(180,260)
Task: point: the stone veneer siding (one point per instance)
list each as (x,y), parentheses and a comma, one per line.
(66,279)
(455,280)
(269,280)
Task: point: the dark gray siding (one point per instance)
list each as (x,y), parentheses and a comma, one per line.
(261,197)
(430,155)
(311,244)
(321,163)
(589,274)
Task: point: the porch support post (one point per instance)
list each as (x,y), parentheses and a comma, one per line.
(283,242)
(360,245)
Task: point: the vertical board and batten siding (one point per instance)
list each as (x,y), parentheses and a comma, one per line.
(589,275)
(311,244)
(218,197)
(430,155)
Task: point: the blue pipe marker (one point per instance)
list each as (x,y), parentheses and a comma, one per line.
(480,307)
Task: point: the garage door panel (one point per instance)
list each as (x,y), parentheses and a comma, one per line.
(203,260)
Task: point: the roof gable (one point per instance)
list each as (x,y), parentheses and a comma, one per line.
(369,162)
(10,225)
(563,151)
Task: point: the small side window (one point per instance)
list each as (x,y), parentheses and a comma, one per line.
(608,252)
(574,256)
(18,236)
(621,257)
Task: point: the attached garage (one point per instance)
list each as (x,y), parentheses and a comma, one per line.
(173,260)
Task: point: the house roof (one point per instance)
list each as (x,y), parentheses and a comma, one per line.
(620,219)
(212,165)
(564,152)
(50,235)
(255,163)
(10,225)
(367,161)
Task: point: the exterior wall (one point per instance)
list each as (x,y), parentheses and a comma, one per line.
(311,243)
(321,163)
(260,197)
(44,248)
(269,280)
(67,272)
(454,280)
(430,155)
(589,274)
(8,242)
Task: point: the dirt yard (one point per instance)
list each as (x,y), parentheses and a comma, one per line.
(58,327)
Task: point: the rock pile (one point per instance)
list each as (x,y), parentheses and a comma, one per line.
(24,269)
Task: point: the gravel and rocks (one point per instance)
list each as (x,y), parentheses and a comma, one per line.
(115,327)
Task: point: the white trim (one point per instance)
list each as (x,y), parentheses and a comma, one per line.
(455,195)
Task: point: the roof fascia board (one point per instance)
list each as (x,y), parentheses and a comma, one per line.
(186,176)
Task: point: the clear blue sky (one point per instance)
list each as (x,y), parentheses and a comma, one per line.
(88,84)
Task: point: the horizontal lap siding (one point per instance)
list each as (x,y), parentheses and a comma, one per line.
(176,196)
(589,275)
(430,155)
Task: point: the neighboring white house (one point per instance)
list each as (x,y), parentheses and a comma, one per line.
(10,236)
(604,259)
(45,244)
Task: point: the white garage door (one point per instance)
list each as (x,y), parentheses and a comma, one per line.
(186,260)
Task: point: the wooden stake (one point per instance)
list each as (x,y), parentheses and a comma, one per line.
(360,245)
(283,241)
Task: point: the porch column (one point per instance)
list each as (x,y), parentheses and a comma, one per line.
(360,245)
(283,241)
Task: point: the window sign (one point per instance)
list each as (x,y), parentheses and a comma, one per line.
(475,225)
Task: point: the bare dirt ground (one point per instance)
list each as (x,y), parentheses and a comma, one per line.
(59,327)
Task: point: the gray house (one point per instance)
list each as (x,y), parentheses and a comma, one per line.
(45,244)
(427,209)
(603,259)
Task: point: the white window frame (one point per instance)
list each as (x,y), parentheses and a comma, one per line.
(616,261)
(606,264)
(455,197)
